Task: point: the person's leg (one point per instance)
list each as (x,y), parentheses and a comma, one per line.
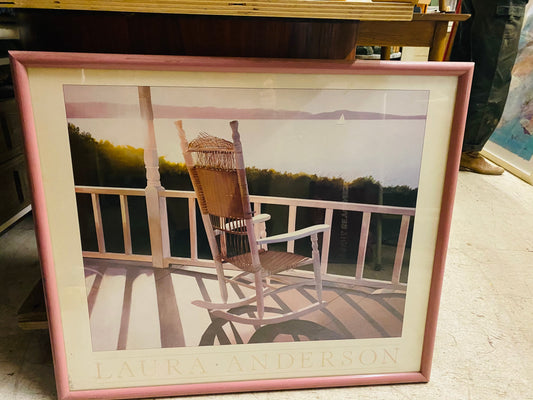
(462,45)
(490,39)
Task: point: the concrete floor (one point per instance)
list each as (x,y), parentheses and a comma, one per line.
(483,348)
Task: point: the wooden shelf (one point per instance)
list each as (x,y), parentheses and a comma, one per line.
(363,10)
(32,313)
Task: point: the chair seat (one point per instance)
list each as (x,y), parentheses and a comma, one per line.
(271,261)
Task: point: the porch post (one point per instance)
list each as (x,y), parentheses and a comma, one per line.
(156,205)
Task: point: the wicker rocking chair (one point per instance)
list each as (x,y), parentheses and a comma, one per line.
(216,168)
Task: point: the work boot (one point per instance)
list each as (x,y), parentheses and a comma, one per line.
(474,162)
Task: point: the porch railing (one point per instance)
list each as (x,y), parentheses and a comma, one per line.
(367,211)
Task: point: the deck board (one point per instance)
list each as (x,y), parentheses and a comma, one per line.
(186,289)
(107,310)
(171,332)
(143,324)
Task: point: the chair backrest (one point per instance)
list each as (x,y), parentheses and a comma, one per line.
(216,168)
(214,174)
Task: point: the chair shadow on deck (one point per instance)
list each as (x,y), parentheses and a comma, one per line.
(134,306)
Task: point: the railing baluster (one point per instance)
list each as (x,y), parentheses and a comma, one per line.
(363,241)
(125,223)
(98,222)
(326,239)
(291,227)
(400,249)
(192,228)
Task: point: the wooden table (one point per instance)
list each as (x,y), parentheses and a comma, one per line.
(228,36)
(424,30)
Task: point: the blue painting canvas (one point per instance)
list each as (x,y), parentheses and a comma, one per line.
(515,130)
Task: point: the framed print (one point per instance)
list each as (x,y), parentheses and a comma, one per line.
(511,144)
(211,225)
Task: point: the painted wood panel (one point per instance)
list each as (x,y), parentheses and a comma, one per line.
(399,10)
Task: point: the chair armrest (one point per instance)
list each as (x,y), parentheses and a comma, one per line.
(261,218)
(300,233)
(240,223)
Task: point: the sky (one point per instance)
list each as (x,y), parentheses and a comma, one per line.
(389,150)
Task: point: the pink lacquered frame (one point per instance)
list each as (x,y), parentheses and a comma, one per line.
(21,61)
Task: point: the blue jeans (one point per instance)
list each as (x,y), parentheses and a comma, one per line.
(490,39)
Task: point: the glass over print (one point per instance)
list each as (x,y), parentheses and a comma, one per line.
(222,225)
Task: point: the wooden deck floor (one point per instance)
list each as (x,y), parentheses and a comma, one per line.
(132,306)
